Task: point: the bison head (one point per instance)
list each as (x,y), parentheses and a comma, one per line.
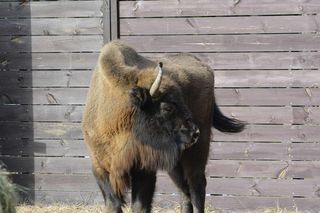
(162,120)
(161,124)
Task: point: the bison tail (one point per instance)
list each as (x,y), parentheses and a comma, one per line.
(225,124)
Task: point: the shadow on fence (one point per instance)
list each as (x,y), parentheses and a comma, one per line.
(16,111)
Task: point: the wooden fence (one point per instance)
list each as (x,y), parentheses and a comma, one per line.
(47,52)
(265,55)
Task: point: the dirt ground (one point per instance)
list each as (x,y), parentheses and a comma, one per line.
(61,208)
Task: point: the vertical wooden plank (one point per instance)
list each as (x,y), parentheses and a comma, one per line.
(110,10)
(114,14)
(105,9)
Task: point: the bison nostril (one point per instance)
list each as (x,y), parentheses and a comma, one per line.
(196,134)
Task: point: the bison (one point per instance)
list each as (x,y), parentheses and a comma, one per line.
(143,115)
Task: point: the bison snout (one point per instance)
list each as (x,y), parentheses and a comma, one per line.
(194,134)
(187,134)
(194,137)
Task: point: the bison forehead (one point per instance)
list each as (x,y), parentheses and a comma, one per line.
(146,77)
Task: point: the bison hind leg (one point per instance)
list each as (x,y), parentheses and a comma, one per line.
(113,202)
(143,186)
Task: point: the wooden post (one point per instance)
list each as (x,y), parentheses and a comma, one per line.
(110,10)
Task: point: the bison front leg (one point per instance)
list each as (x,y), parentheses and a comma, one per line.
(192,186)
(113,202)
(180,181)
(197,185)
(143,186)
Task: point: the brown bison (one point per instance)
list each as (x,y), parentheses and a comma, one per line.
(142,116)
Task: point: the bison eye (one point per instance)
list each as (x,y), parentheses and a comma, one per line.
(167,108)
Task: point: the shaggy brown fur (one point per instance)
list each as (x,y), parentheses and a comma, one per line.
(131,134)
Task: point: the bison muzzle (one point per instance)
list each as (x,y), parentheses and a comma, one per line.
(143,115)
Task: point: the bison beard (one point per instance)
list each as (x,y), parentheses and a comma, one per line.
(139,119)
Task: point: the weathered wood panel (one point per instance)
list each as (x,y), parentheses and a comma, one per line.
(303,152)
(272,133)
(50,26)
(308,115)
(53,61)
(224,43)
(264,169)
(265,115)
(48,165)
(237,186)
(251,187)
(219,25)
(61,78)
(258,133)
(265,151)
(36,148)
(52,113)
(245,203)
(51,78)
(268,97)
(57,182)
(15,130)
(215,8)
(89,43)
(275,115)
(301,78)
(257,60)
(217,61)
(218,151)
(281,78)
(44,96)
(239,78)
(225,97)
(281,170)
(50,9)
(252,115)
(250,151)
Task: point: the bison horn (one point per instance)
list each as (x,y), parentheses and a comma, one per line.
(156,84)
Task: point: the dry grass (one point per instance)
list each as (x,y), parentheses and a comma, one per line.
(62,208)
(275,210)
(59,208)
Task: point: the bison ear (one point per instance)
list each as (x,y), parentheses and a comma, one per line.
(114,65)
(119,63)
